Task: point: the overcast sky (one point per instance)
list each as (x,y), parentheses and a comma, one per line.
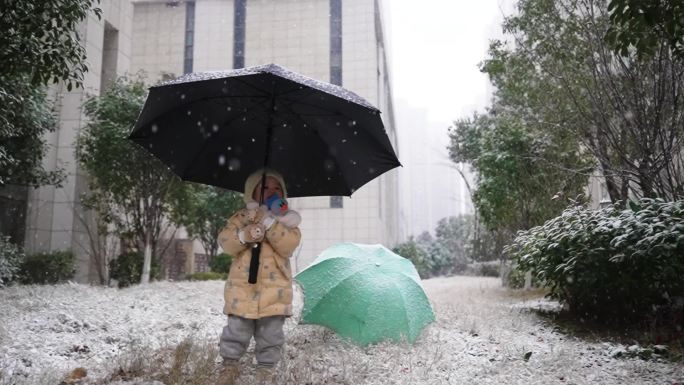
(434,50)
(435,47)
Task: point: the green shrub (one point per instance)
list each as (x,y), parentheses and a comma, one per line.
(127,268)
(47,268)
(221,263)
(619,263)
(514,278)
(11,258)
(207,276)
(415,253)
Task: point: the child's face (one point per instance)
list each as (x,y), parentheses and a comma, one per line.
(272,187)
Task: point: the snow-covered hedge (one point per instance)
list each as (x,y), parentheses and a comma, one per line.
(617,262)
(10,261)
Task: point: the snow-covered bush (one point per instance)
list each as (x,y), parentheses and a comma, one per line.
(10,261)
(47,268)
(616,262)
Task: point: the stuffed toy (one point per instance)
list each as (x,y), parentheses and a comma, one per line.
(277,207)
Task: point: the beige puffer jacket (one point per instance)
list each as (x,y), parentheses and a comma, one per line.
(272,293)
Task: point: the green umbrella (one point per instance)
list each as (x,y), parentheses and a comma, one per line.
(365,293)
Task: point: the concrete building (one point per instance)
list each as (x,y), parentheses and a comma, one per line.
(334,41)
(330,40)
(54,220)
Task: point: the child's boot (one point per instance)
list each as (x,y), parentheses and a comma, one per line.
(228,373)
(265,375)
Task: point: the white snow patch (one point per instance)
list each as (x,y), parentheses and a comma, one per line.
(480,336)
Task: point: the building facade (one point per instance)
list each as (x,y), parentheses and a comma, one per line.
(54,217)
(330,40)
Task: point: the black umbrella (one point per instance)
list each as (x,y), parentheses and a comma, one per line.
(217,128)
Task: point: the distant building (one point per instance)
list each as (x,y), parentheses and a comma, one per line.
(431,187)
(341,42)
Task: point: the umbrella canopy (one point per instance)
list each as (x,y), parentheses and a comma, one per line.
(365,293)
(217,128)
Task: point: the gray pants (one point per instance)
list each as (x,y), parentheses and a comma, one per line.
(268,335)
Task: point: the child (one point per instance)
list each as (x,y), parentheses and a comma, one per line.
(258,309)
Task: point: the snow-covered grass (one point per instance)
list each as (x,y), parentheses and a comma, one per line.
(166,333)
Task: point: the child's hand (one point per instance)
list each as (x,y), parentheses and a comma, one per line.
(256,213)
(252,211)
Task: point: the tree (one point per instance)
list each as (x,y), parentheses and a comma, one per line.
(204,212)
(626,111)
(25,116)
(40,40)
(524,173)
(439,260)
(424,239)
(129,188)
(11,258)
(644,25)
(101,239)
(455,233)
(39,44)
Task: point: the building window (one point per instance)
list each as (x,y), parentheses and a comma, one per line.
(189,36)
(336,42)
(336,202)
(336,62)
(239,15)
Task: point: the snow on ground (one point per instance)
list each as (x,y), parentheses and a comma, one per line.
(481,336)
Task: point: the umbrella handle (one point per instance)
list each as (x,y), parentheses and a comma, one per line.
(254,264)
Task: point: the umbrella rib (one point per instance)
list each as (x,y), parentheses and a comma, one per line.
(191,102)
(333,114)
(240,80)
(309,90)
(353,275)
(346,182)
(359,268)
(401,293)
(264,95)
(337,284)
(249,112)
(214,98)
(293,101)
(315,88)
